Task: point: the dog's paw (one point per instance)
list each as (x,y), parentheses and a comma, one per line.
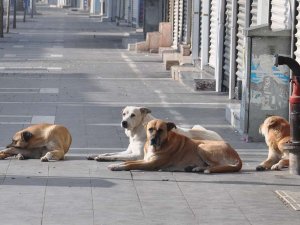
(276,166)
(102,159)
(20,157)
(206,171)
(260,168)
(198,169)
(44,159)
(116,167)
(90,157)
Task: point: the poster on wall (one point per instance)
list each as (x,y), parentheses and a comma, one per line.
(269,84)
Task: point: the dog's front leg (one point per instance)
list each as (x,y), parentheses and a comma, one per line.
(135,165)
(135,151)
(272,159)
(8,152)
(112,156)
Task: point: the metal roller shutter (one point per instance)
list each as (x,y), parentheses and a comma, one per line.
(254,13)
(280,15)
(187,9)
(175,22)
(213,33)
(126,16)
(180,21)
(297,34)
(227,45)
(240,48)
(200,27)
(135,12)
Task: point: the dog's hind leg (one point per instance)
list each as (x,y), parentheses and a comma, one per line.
(281,164)
(222,169)
(53,155)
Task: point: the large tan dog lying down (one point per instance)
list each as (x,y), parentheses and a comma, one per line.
(168,151)
(44,141)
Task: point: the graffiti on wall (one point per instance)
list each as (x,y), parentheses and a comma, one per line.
(269,84)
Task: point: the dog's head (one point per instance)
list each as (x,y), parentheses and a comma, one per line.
(133,116)
(276,123)
(21,139)
(157,132)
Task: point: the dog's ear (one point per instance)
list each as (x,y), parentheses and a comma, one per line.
(145,110)
(26,135)
(170,126)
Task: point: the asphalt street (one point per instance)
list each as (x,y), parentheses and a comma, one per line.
(66,68)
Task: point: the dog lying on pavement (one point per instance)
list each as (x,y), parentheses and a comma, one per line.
(44,141)
(276,131)
(134,120)
(169,151)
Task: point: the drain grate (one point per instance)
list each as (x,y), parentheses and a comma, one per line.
(290,198)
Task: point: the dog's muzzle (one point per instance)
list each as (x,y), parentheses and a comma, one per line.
(124,124)
(153,141)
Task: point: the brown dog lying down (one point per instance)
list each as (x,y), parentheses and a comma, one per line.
(277,133)
(44,141)
(168,151)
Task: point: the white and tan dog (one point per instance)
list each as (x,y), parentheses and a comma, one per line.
(134,120)
(169,151)
(40,141)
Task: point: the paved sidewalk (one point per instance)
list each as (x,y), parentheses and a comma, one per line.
(70,69)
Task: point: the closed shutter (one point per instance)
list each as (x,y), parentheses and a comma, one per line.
(170,10)
(254,13)
(130,12)
(187,9)
(297,34)
(227,45)
(175,23)
(280,15)
(180,21)
(200,26)
(213,33)
(126,15)
(240,47)
(135,12)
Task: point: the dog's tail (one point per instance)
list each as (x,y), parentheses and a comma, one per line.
(229,168)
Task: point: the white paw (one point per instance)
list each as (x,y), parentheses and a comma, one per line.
(276,166)
(44,159)
(207,171)
(116,167)
(20,157)
(197,169)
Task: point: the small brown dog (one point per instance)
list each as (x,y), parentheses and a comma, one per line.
(276,131)
(44,141)
(169,151)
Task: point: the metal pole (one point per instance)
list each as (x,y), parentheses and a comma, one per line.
(1,18)
(25,9)
(15,15)
(8,16)
(31,3)
(294,146)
